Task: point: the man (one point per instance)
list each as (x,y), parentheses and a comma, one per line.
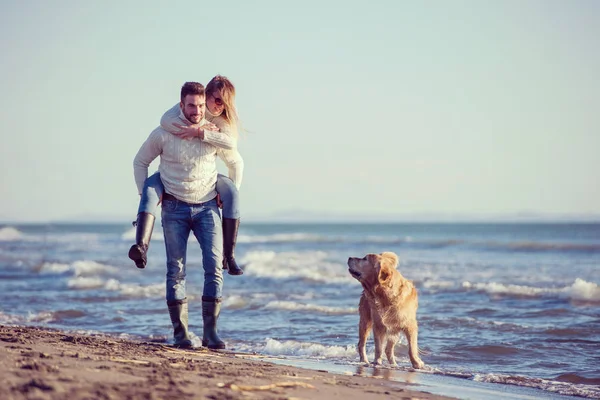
(189,173)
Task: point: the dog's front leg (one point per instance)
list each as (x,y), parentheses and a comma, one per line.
(413,347)
(389,350)
(364,328)
(379,338)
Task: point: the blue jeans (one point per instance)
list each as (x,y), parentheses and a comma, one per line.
(154,189)
(178,220)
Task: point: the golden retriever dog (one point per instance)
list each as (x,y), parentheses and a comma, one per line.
(388,305)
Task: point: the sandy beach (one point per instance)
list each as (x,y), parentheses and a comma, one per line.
(39,363)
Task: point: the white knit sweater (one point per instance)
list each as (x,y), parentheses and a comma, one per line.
(229,154)
(187,167)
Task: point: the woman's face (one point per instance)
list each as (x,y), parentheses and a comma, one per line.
(215,104)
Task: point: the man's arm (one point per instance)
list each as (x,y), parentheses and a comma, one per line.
(151,149)
(172,122)
(235,163)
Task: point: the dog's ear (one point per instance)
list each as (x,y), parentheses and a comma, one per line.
(390,259)
(385,274)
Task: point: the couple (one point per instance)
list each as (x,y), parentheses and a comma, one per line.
(192,134)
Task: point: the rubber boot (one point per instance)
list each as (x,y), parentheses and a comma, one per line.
(143,233)
(230,231)
(211,308)
(178,311)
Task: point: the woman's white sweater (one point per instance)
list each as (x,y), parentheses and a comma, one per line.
(187,167)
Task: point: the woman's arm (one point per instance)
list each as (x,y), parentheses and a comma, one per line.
(235,164)
(172,122)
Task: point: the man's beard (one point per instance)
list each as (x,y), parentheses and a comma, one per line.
(194,119)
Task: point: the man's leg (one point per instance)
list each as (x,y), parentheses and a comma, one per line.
(176,227)
(207,229)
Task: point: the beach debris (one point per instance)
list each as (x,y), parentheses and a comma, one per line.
(271,387)
(122,360)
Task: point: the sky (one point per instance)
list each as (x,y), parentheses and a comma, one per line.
(378,108)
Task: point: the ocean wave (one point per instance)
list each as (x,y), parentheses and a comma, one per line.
(79,268)
(9,319)
(42,317)
(580,290)
(136,290)
(546,246)
(85,283)
(113,285)
(293,348)
(554,386)
(311,265)
(10,234)
(410,242)
(293,306)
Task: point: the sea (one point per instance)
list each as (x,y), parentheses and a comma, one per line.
(506,310)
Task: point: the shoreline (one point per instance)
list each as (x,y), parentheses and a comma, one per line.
(45,363)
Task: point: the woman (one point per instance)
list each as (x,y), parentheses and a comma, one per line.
(222,115)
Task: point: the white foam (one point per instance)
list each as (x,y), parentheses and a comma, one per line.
(86,268)
(9,319)
(80,268)
(55,267)
(293,348)
(134,290)
(83,283)
(563,388)
(584,291)
(580,290)
(10,234)
(42,317)
(292,306)
(433,284)
(309,265)
(235,302)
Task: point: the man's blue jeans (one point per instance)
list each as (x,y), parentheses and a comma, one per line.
(179,219)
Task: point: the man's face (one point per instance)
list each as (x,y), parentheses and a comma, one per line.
(193,107)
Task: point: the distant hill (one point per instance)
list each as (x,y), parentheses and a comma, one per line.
(305,216)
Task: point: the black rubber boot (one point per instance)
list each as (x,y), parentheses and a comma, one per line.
(178,311)
(230,231)
(211,308)
(143,233)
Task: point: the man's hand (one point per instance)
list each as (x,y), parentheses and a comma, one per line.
(219,202)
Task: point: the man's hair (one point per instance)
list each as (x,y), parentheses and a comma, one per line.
(191,88)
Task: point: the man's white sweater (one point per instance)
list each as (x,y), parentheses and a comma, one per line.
(187,167)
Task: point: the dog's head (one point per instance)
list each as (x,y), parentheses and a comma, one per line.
(373,269)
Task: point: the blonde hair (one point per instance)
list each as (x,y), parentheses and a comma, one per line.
(225,88)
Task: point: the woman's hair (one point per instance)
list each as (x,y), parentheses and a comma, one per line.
(227,91)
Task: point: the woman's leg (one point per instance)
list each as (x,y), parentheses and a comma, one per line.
(231,222)
(151,196)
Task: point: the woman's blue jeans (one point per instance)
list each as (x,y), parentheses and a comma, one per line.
(154,189)
(178,220)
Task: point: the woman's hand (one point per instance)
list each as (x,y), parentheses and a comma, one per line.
(192,131)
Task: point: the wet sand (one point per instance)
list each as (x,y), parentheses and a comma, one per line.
(40,363)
